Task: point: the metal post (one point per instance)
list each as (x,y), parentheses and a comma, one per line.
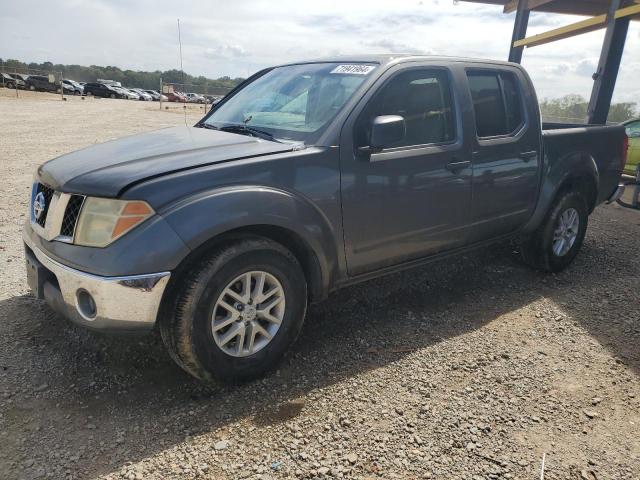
(160,93)
(519,31)
(61,87)
(608,65)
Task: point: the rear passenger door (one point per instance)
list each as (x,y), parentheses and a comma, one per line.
(506,156)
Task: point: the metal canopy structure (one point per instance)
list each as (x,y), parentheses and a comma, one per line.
(612,15)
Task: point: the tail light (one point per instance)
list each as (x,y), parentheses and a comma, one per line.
(625,150)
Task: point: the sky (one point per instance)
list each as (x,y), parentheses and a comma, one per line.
(237,38)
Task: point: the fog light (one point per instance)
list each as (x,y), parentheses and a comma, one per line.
(85,304)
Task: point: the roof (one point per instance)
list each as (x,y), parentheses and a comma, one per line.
(392,58)
(572,7)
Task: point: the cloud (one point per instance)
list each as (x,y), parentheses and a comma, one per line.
(389,46)
(586,67)
(238,38)
(226,51)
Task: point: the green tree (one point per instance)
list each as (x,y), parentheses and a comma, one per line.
(574,108)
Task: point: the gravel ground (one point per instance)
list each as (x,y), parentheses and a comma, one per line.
(466,369)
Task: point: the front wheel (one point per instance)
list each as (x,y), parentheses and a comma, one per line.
(238,313)
(557,241)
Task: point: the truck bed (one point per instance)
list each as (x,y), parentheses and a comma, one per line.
(600,144)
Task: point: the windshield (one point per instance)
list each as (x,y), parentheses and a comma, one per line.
(294,102)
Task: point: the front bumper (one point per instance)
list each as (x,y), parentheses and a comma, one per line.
(118,303)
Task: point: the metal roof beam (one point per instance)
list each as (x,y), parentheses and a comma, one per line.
(578,28)
(512,5)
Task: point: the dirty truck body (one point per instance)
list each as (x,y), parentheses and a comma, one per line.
(306,178)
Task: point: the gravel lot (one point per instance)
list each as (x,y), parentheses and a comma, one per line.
(466,369)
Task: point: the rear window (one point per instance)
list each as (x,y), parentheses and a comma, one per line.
(497,103)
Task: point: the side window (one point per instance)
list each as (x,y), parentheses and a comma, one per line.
(513,102)
(422,98)
(496,102)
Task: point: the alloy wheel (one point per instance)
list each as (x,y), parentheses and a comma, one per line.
(248,313)
(566,232)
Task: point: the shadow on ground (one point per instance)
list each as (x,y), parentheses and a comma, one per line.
(126,393)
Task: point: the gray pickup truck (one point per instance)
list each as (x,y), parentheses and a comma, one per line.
(306,178)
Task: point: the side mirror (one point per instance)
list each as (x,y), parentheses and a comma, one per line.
(385,131)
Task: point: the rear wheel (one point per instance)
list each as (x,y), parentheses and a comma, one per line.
(112,96)
(558,240)
(239,313)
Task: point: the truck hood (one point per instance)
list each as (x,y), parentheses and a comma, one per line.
(106,169)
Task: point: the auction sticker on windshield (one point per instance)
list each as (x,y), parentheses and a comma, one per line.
(357,69)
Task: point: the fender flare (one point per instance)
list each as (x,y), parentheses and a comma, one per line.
(202,217)
(564,171)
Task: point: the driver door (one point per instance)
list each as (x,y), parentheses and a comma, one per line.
(412,198)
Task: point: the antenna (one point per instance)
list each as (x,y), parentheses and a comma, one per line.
(184,107)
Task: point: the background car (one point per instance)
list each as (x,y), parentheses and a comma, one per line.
(101,90)
(68,89)
(633,156)
(154,95)
(195,98)
(76,88)
(41,83)
(175,97)
(13,80)
(125,92)
(213,99)
(142,94)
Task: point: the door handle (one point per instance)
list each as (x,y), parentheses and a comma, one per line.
(526,156)
(457,166)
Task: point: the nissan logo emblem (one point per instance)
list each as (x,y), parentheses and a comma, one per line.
(39,205)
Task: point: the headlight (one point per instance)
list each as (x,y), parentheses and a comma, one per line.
(103,220)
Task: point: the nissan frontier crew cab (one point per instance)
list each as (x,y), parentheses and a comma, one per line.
(306,178)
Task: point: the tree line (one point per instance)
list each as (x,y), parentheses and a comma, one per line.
(128,78)
(573,108)
(570,108)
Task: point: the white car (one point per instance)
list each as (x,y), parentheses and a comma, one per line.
(126,92)
(195,98)
(157,95)
(142,94)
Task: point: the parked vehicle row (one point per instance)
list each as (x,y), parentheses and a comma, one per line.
(14,80)
(102,89)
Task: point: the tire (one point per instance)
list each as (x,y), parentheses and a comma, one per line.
(539,250)
(32,88)
(112,96)
(190,335)
(10,85)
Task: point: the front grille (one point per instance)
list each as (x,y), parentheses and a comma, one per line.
(71,215)
(48,195)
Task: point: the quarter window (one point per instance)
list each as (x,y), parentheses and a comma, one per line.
(497,103)
(422,98)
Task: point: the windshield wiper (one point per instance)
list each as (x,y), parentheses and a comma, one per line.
(247,130)
(207,125)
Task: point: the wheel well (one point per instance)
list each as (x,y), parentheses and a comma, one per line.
(585,185)
(285,237)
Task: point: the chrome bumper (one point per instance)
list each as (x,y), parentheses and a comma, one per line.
(119,303)
(617,194)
